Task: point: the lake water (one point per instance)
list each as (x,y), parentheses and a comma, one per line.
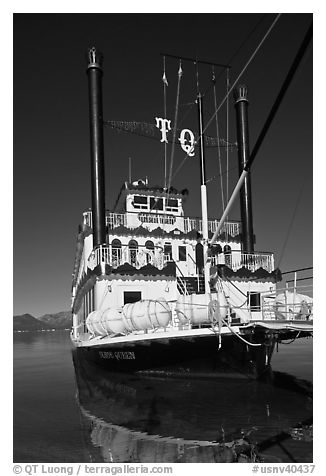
(66,411)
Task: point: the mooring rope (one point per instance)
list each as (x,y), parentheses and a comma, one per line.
(287,343)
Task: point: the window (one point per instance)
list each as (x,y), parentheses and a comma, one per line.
(199,258)
(228,255)
(216,249)
(156,203)
(116,252)
(182,253)
(167,252)
(133,250)
(254,301)
(149,245)
(171,205)
(140,202)
(131,296)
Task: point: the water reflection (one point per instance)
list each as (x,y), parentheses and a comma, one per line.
(136,419)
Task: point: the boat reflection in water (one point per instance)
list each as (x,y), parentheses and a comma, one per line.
(129,418)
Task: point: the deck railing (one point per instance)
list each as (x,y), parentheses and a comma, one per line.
(252,261)
(137,257)
(141,256)
(113,220)
(290,303)
(230,228)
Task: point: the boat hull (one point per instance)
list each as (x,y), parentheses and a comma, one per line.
(188,356)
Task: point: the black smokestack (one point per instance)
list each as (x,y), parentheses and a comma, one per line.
(94,72)
(241,106)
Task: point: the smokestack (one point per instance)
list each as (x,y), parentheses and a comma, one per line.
(241,106)
(94,72)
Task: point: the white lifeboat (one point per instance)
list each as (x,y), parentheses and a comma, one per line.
(199,309)
(106,322)
(146,314)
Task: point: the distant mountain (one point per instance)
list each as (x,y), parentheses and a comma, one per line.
(60,320)
(26,322)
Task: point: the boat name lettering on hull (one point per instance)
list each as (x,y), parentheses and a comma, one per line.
(117,355)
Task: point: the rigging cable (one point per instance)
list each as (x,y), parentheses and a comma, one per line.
(235,54)
(237,79)
(175,125)
(227,135)
(244,69)
(165,84)
(292,221)
(218,137)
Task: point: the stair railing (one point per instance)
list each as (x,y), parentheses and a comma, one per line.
(182,280)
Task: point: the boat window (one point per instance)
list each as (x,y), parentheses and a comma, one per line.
(140,202)
(228,256)
(116,253)
(133,250)
(254,301)
(149,245)
(167,252)
(156,203)
(171,205)
(116,243)
(199,258)
(131,296)
(182,253)
(216,249)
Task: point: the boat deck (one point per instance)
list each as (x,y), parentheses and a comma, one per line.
(164,335)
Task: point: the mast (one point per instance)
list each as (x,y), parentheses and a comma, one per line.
(241,106)
(94,72)
(294,66)
(203,190)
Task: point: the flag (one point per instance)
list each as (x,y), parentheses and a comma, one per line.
(165,81)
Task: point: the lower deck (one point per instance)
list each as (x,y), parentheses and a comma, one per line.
(164,335)
(235,351)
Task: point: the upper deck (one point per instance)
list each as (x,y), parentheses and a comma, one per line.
(151,220)
(138,204)
(148,226)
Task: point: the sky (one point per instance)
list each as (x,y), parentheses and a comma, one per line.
(51,130)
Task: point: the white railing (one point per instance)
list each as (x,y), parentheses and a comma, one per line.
(156,218)
(113,220)
(230,228)
(139,257)
(290,303)
(251,261)
(118,256)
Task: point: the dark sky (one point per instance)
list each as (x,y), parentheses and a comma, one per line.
(51,139)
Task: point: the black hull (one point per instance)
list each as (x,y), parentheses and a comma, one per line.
(189,356)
